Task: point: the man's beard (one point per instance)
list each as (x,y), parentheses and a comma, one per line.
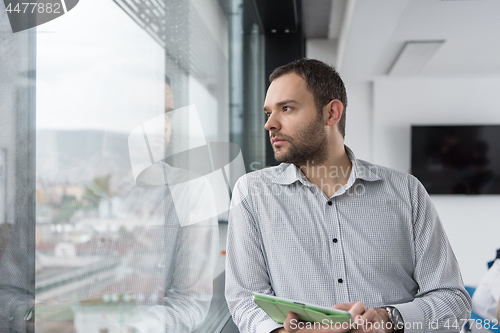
(308,146)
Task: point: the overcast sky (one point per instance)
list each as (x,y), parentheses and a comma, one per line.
(97,69)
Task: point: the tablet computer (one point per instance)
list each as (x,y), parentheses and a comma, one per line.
(277,308)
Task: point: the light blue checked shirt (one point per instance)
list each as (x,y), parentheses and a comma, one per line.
(377,240)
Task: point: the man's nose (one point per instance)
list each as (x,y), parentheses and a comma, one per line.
(272,122)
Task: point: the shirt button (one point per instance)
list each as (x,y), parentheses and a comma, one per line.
(330,203)
(335,240)
(340,280)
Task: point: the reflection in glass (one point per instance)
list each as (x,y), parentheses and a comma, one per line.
(129,256)
(110,253)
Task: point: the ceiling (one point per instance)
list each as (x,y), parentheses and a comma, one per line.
(279,16)
(370,35)
(322,18)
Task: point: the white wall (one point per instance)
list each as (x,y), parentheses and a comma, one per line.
(324,49)
(359,111)
(359,118)
(471,222)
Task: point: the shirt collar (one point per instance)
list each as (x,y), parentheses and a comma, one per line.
(361,170)
(290,173)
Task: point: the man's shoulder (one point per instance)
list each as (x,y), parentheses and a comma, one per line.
(384,173)
(266,175)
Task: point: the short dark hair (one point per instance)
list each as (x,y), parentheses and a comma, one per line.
(322,80)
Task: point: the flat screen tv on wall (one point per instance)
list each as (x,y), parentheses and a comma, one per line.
(457,159)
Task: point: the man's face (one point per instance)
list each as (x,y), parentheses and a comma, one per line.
(296,129)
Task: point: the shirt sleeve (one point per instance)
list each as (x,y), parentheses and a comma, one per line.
(441,304)
(246,269)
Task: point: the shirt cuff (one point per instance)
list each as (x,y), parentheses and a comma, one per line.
(268,326)
(412,316)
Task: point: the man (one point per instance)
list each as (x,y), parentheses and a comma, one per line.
(182,250)
(328,229)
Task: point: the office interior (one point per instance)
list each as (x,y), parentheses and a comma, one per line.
(72,91)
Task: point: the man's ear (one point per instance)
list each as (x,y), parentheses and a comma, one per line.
(333,111)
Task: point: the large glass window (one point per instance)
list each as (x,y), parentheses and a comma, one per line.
(116,164)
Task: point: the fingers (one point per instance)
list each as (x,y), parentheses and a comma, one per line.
(372,322)
(369,316)
(343,306)
(353,308)
(291,318)
(357,310)
(361,315)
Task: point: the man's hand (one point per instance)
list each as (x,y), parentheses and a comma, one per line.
(366,321)
(372,320)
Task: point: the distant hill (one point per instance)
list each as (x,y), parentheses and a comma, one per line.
(81,155)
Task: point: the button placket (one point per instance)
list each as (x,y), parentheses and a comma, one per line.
(336,251)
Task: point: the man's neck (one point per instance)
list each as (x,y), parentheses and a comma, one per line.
(330,175)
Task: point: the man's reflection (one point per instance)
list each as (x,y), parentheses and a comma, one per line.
(150,269)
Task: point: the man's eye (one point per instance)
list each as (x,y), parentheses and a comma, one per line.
(287,108)
(268,115)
